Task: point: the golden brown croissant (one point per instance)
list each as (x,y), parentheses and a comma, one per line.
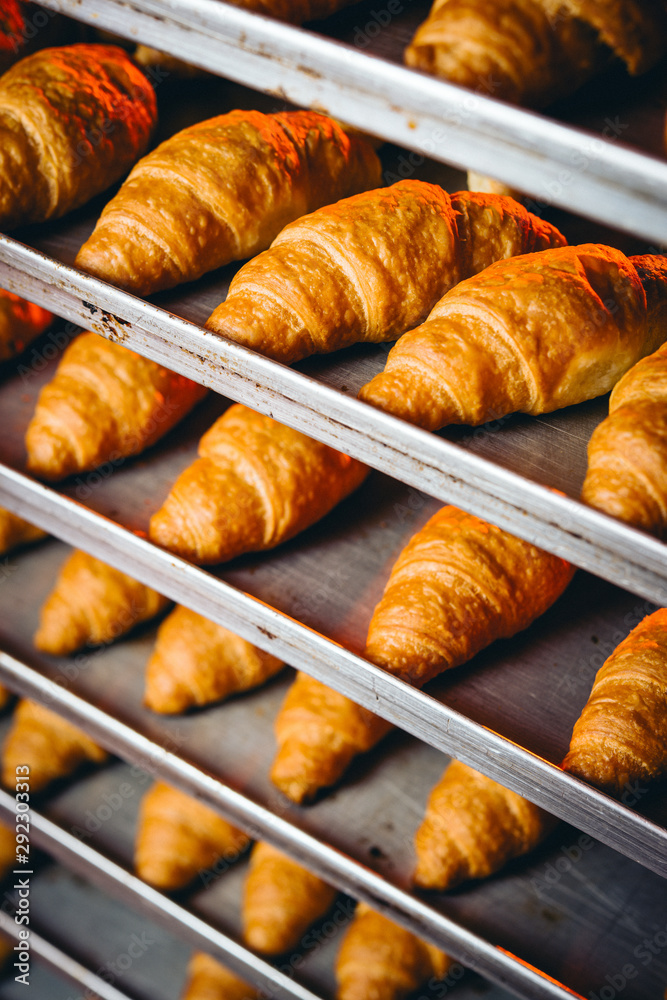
(627,454)
(104,404)
(319,732)
(535,51)
(178,836)
(620,737)
(15,531)
(72,121)
(378,960)
(458,585)
(20,323)
(46,744)
(91,604)
(255,484)
(531,334)
(281,900)
(196,662)
(472,827)
(208,979)
(220,191)
(370,267)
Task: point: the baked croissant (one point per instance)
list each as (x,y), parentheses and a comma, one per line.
(47,744)
(378,960)
(196,662)
(319,732)
(178,836)
(281,900)
(255,484)
(72,121)
(104,404)
(208,979)
(458,585)
(472,827)
(20,323)
(220,191)
(370,267)
(92,604)
(15,531)
(620,737)
(532,334)
(627,454)
(535,51)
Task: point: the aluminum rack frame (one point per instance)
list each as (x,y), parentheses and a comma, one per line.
(604,179)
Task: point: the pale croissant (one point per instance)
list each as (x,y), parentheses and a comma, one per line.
(48,745)
(92,604)
(178,836)
(20,323)
(196,662)
(378,960)
(627,454)
(72,121)
(209,979)
(370,267)
(14,530)
(535,51)
(281,899)
(620,738)
(221,190)
(472,827)
(531,335)
(255,484)
(104,404)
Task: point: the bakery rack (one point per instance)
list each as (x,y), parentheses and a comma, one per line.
(492,474)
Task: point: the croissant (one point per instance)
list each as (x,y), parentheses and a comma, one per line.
(46,744)
(15,531)
(72,121)
(196,662)
(472,827)
(104,404)
(534,52)
(627,454)
(220,191)
(178,836)
(168,65)
(208,979)
(319,732)
(255,484)
(532,334)
(20,323)
(281,900)
(378,960)
(92,604)
(620,737)
(369,267)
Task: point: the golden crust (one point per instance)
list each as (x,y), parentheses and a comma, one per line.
(281,899)
(72,121)
(620,736)
(208,979)
(472,827)
(20,323)
(531,334)
(91,604)
(196,662)
(256,484)
(105,403)
(220,191)
(369,267)
(178,836)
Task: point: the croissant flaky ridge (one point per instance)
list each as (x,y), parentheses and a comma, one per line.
(72,121)
(531,335)
(370,267)
(221,190)
(255,484)
(620,738)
